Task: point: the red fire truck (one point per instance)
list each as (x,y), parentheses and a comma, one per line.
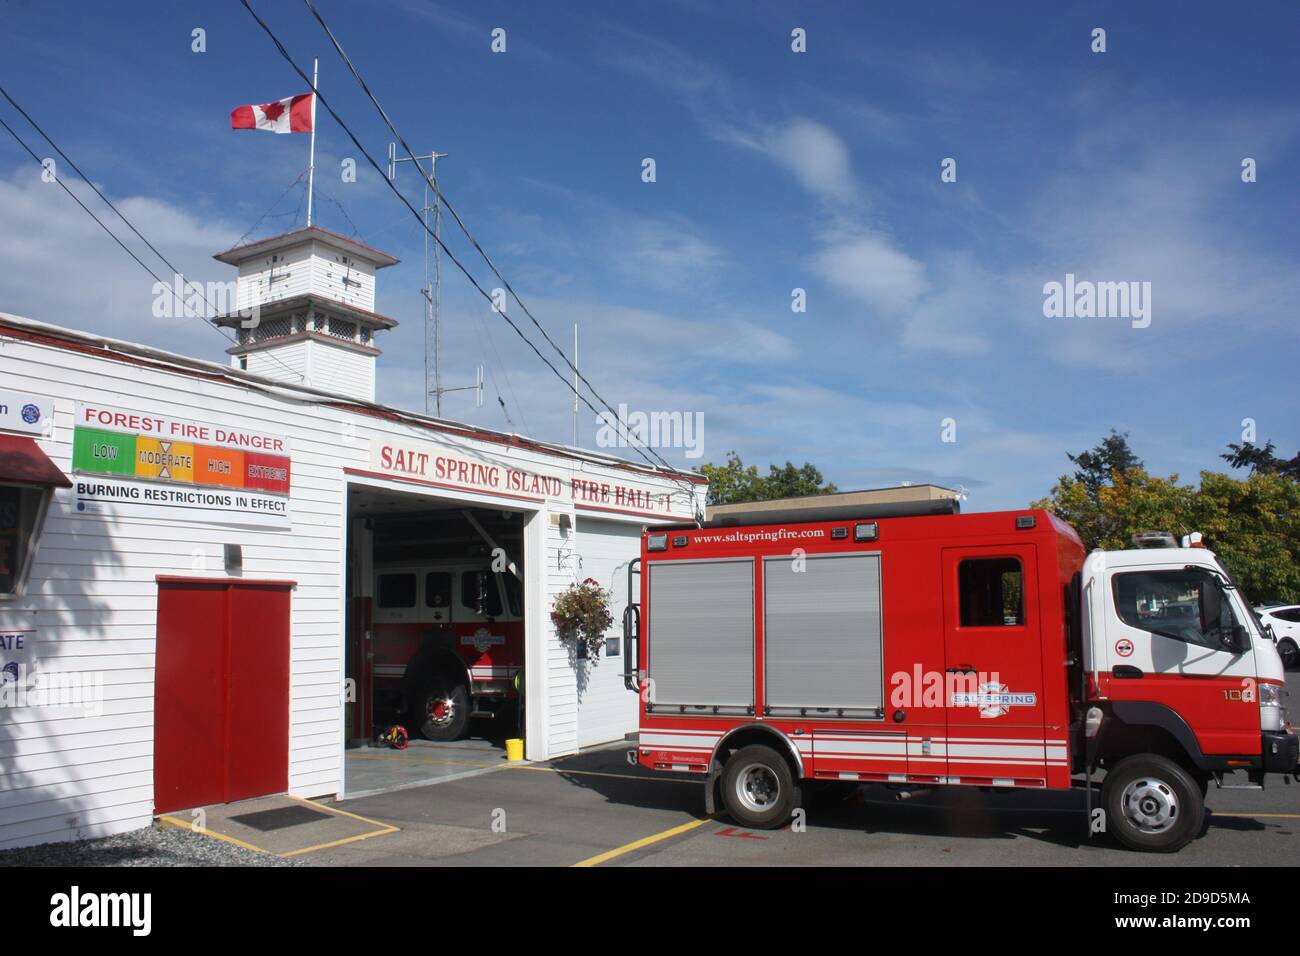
(916,647)
(448,643)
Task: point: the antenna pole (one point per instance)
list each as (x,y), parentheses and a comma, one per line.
(575,384)
(431,291)
(437,283)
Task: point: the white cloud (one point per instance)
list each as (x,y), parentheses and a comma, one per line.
(815,154)
(664,253)
(61,268)
(867,267)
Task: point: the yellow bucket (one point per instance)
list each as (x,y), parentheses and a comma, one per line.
(514,749)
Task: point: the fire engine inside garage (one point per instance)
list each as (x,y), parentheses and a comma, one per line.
(235,573)
(440,605)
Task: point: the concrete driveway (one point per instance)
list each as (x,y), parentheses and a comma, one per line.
(594,809)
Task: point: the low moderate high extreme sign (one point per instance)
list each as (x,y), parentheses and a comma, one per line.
(225,474)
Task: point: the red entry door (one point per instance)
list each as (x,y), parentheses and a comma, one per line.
(221,692)
(993,686)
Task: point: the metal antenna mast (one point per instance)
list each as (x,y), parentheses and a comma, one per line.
(432,292)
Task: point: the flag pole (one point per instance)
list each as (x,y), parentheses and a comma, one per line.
(311,156)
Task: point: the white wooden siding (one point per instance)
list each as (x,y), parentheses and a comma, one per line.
(606,709)
(93,596)
(561,680)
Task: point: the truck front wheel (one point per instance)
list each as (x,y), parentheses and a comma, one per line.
(442,711)
(1152,804)
(758,789)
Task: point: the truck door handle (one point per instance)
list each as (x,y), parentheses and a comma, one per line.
(963,669)
(1127,671)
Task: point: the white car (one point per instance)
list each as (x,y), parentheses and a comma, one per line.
(1285,621)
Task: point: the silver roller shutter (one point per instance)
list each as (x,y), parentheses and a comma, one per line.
(821,634)
(701,634)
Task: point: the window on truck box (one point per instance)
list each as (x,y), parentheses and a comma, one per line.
(991,592)
(514,594)
(479,594)
(821,634)
(437,589)
(1171,603)
(396,590)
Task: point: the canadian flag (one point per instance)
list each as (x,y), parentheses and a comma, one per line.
(293,114)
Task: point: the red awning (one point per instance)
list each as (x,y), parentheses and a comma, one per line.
(23,462)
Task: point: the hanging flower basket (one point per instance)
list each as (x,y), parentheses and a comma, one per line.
(581,617)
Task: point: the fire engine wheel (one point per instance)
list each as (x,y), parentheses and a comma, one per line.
(758,788)
(442,713)
(1152,804)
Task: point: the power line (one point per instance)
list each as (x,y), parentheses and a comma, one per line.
(87,180)
(112,235)
(486,258)
(185,283)
(284,53)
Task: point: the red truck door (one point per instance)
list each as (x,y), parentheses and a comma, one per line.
(993,687)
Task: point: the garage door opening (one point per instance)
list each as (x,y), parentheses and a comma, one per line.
(435,621)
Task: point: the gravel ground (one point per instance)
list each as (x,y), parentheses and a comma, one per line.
(152,846)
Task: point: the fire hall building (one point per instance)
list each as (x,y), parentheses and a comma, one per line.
(196,558)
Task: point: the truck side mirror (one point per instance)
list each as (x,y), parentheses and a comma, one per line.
(1211,604)
(1235,638)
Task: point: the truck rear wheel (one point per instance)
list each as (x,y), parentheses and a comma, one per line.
(442,712)
(1152,804)
(758,789)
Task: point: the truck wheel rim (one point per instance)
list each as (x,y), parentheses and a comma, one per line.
(758,788)
(1150,805)
(441,711)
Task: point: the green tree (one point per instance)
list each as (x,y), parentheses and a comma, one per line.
(1098,465)
(1252,525)
(734,481)
(1082,499)
(1261,459)
(787,481)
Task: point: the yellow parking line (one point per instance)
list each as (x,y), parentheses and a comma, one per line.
(643,842)
(345,813)
(333,843)
(1285,816)
(384,830)
(203,831)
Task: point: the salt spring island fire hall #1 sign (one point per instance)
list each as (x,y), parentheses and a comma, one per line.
(153,466)
(432,464)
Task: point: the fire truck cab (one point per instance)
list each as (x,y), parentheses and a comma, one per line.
(448,643)
(916,647)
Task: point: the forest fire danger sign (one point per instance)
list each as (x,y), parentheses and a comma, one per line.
(148,465)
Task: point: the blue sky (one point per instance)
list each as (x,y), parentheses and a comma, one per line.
(775,171)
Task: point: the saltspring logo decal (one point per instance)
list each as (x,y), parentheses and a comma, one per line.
(994,700)
(31,413)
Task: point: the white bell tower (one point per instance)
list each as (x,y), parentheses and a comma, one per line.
(315,320)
